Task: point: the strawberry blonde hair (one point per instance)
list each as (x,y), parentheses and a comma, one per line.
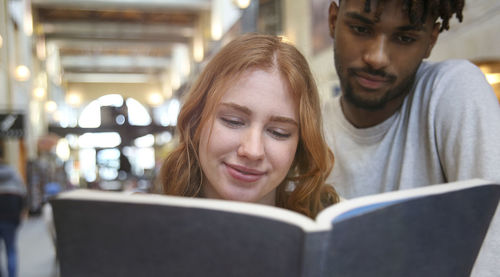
(304,189)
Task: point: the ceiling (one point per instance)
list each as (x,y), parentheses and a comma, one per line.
(117,41)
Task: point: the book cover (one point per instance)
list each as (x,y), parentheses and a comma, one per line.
(430,231)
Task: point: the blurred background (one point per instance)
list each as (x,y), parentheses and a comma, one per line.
(90,90)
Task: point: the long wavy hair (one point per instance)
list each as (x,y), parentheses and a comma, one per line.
(304,189)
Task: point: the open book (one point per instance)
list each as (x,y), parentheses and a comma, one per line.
(430,231)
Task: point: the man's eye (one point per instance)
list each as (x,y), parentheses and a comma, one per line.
(360,29)
(232,122)
(405,39)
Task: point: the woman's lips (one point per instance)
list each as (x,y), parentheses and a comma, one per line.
(244,174)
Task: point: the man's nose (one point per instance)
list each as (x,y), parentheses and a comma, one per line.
(251,144)
(376,55)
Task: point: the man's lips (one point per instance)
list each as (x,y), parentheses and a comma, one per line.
(242,173)
(372,81)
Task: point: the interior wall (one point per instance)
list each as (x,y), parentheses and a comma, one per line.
(476,38)
(92,91)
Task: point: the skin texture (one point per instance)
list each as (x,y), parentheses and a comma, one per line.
(376,57)
(247,149)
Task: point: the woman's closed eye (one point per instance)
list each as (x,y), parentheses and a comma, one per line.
(279,133)
(232,122)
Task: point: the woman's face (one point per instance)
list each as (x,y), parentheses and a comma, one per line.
(248,150)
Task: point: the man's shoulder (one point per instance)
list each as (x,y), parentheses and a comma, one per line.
(447,67)
(453,79)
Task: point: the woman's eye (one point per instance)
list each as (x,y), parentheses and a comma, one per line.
(232,122)
(279,134)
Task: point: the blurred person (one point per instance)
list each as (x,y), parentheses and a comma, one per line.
(250,130)
(401,122)
(12,208)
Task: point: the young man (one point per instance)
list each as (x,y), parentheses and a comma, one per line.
(402,122)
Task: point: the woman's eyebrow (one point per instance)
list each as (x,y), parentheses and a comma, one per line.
(237,107)
(247,111)
(284,119)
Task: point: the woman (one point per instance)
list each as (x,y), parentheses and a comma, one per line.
(250,130)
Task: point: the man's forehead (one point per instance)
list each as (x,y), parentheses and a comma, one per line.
(389,11)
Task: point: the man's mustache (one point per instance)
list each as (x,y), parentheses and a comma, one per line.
(374,72)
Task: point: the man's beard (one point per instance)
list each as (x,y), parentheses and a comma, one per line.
(371,104)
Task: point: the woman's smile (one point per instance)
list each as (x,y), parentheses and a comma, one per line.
(244,174)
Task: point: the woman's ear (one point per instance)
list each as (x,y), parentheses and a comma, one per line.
(332,17)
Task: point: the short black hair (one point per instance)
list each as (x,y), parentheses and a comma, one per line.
(418,10)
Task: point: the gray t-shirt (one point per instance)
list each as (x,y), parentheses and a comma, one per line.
(448,129)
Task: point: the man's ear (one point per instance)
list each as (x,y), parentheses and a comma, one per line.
(434,36)
(332,17)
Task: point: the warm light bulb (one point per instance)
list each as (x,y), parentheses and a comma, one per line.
(22,73)
(216,30)
(50,106)
(39,93)
(41,51)
(1,41)
(242,4)
(155,99)
(28,24)
(198,51)
(74,99)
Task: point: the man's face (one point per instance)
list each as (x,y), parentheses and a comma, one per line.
(377,57)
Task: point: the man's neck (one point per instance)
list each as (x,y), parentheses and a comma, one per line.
(364,118)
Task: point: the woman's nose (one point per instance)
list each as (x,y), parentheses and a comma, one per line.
(251,144)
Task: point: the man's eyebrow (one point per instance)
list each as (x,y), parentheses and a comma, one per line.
(366,20)
(420,27)
(355,15)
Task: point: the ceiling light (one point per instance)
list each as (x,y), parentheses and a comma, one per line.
(216,30)
(198,51)
(22,73)
(41,51)
(155,99)
(50,106)
(39,93)
(242,4)
(28,24)
(74,99)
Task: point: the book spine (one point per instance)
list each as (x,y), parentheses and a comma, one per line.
(315,246)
